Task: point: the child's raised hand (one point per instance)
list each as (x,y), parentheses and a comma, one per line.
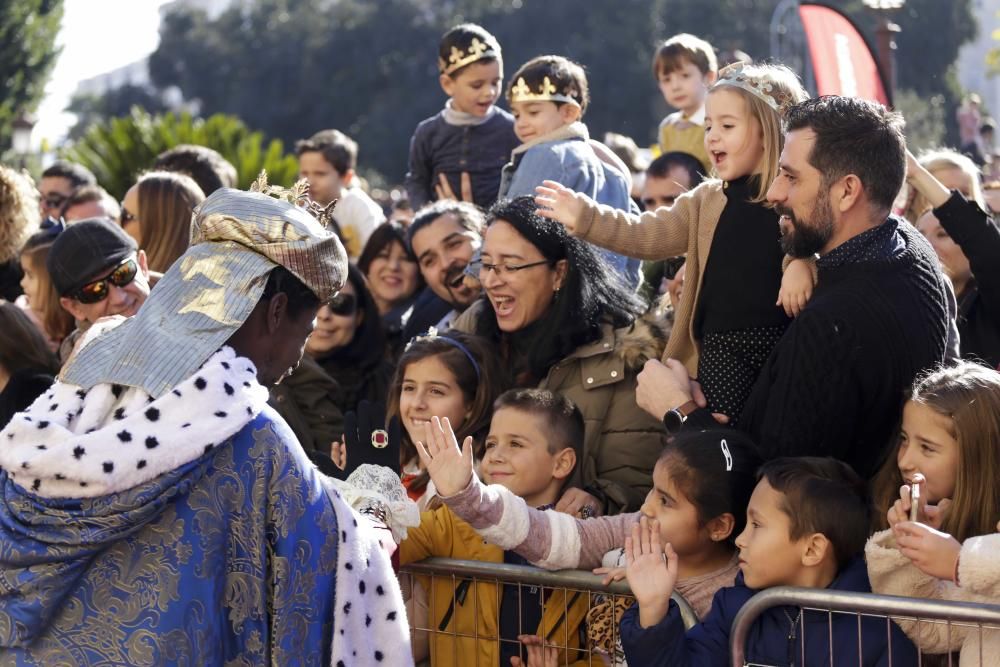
(559,203)
(796,287)
(651,570)
(338,452)
(539,655)
(449,467)
(931,551)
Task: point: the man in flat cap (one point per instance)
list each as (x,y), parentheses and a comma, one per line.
(98,271)
(156,511)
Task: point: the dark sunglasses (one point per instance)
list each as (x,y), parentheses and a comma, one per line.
(54,200)
(343,304)
(98,290)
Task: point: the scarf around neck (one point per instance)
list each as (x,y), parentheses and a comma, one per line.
(453,116)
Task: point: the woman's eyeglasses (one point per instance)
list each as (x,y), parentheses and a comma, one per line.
(343,304)
(507,269)
(98,290)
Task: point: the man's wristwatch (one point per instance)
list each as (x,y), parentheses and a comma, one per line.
(676,417)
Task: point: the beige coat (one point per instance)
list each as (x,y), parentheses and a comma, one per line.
(687,227)
(892,573)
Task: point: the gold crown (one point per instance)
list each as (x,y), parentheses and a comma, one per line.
(734,75)
(477,51)
(298,195)
(522,92)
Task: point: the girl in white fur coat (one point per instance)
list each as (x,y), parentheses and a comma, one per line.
(950,445)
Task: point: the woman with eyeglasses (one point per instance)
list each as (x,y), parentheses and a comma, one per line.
(156,212)
(561,319)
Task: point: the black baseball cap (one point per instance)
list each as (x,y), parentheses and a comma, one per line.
(84,250)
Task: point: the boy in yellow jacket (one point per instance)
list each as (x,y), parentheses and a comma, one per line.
(532,450)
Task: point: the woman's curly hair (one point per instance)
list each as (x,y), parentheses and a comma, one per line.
(19,212)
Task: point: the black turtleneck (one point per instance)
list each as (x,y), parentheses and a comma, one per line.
(743,274)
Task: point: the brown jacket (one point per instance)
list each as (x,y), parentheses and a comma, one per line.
(621,440)
(306,399)
(687,227)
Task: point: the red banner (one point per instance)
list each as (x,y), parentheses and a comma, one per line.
(843,63)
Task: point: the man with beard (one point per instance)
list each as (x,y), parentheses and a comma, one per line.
(877,317)
(445,236)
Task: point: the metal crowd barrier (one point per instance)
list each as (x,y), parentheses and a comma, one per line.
(911,613)
(567,585)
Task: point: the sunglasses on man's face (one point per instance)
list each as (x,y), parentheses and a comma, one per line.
(98,290)
(53,200)
(343,304)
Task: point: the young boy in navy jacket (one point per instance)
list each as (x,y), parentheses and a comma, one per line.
(807,524)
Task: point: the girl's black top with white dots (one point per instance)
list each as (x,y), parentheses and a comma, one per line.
(737,321)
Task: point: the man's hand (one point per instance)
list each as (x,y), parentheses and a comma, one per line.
(931,551)
(574,501)
(449,467)
(651,570)
(559,203)
(444,191)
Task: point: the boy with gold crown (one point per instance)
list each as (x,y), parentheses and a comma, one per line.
(548,96)
(459,152)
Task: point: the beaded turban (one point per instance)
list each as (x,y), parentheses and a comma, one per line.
(237,239)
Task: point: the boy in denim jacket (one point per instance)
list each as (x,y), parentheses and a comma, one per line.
(548,96)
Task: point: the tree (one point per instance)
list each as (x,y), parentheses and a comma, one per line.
(292,67)
(28,31)
(121,149)
(92,109)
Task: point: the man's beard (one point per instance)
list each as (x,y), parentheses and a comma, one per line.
(806,238)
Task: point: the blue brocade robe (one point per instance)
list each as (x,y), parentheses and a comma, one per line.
(229,559)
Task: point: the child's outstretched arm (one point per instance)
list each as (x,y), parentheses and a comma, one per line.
(653,235)
(797,284)
(651,570)
(548,539)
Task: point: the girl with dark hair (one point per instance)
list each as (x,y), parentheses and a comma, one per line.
(27,365)
(563,321)
(393,278)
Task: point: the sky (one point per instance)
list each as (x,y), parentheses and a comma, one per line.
(96,36)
